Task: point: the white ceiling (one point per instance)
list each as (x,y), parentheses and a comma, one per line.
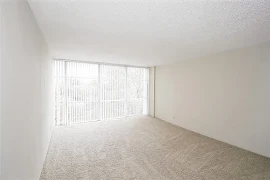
(150,32)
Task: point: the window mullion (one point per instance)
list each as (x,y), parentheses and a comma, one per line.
(126,95)
(99,92)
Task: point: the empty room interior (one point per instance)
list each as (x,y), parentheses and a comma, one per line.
(135,90)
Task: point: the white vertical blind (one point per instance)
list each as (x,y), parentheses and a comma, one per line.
(88,92)
(112,81)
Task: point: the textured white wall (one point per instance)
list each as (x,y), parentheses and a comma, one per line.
(224,96)
(27,114)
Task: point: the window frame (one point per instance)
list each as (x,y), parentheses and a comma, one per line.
(100,84)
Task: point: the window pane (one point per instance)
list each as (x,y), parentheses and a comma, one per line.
(87,92)
(137,90)
(79,93)
(113,80)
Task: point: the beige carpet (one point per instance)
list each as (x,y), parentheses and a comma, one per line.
(145,148)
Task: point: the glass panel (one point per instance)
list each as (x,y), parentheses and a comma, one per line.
(87,92)
(113,80)
(137,91)
(76,93)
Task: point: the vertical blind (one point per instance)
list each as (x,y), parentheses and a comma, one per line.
(88,92)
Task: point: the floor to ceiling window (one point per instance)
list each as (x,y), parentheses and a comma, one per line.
(88,92)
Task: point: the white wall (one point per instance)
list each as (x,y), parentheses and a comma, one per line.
(27,103)
(224,96)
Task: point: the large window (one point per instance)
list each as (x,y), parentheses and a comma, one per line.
(88,92)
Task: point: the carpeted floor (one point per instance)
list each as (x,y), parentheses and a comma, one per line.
(145,148)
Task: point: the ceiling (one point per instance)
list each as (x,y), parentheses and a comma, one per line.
(150,32)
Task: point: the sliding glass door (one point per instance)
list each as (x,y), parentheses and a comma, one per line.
(88,92)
